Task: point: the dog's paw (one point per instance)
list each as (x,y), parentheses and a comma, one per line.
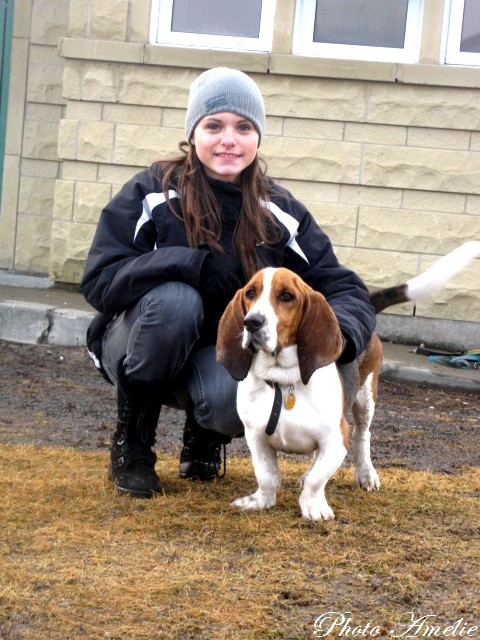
(316,510)
(367,477)
(256,502)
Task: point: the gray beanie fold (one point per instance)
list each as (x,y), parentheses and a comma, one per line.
(224,90)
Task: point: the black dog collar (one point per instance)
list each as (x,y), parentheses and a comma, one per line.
(276,408)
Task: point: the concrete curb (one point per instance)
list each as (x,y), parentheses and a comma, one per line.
(399,372)
(35,323)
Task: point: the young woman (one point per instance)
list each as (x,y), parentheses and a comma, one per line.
(169,253)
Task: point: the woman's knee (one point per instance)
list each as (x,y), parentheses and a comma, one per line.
(174,301)
(169,321)
(166,326)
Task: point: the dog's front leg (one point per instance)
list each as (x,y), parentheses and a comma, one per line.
(267,473)
(313,504)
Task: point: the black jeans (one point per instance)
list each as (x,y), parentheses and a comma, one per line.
(155,339)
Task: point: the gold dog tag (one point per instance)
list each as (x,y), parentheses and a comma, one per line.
(290,399)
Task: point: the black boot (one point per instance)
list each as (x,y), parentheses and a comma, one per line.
(200,457)
(132,459)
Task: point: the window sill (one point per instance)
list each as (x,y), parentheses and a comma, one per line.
(273,63)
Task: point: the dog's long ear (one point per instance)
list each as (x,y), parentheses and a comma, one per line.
(319,338)
(236,360)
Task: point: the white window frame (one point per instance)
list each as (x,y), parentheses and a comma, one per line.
(303,43)
(452,35)
(161,32)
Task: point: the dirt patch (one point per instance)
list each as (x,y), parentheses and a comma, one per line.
(53,396)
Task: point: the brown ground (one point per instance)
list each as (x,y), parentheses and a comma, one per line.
(53,396)
(81,562)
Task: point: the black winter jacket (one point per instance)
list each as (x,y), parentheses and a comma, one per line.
(139,244)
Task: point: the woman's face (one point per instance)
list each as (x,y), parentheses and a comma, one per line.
(226,144)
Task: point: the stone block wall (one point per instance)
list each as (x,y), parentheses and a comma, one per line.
(391,190)
(384,155)
(35,108)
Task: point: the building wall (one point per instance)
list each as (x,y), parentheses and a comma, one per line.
(386,156)
(35,108)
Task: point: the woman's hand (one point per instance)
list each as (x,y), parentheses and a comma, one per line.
(217,286)
(217,283)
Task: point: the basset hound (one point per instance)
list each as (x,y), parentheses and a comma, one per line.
(280,339)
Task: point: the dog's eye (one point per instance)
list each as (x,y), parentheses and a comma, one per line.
(251,294)
(286,296)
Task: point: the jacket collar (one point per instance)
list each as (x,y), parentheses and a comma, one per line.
(224,187)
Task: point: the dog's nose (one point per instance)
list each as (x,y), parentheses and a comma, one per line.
(255,321)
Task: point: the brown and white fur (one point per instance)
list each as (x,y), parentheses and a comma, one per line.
(279,330)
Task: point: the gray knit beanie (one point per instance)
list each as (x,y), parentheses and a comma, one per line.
(224,90)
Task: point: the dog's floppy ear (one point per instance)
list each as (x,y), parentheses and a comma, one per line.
(319,339)
(236,360)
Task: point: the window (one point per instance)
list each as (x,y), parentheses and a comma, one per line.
(463,33)
(387,30)
(215,24)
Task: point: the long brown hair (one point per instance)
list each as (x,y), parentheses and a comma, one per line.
(201,213)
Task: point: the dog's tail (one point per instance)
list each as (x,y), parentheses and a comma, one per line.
(429,282)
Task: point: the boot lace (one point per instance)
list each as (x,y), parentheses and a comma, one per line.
(223,447)
(134,454)
(213,454)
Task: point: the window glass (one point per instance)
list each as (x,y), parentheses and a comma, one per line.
(470,40)
(218,17)
(373,23)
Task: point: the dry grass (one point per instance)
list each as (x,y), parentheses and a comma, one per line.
(78,561)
